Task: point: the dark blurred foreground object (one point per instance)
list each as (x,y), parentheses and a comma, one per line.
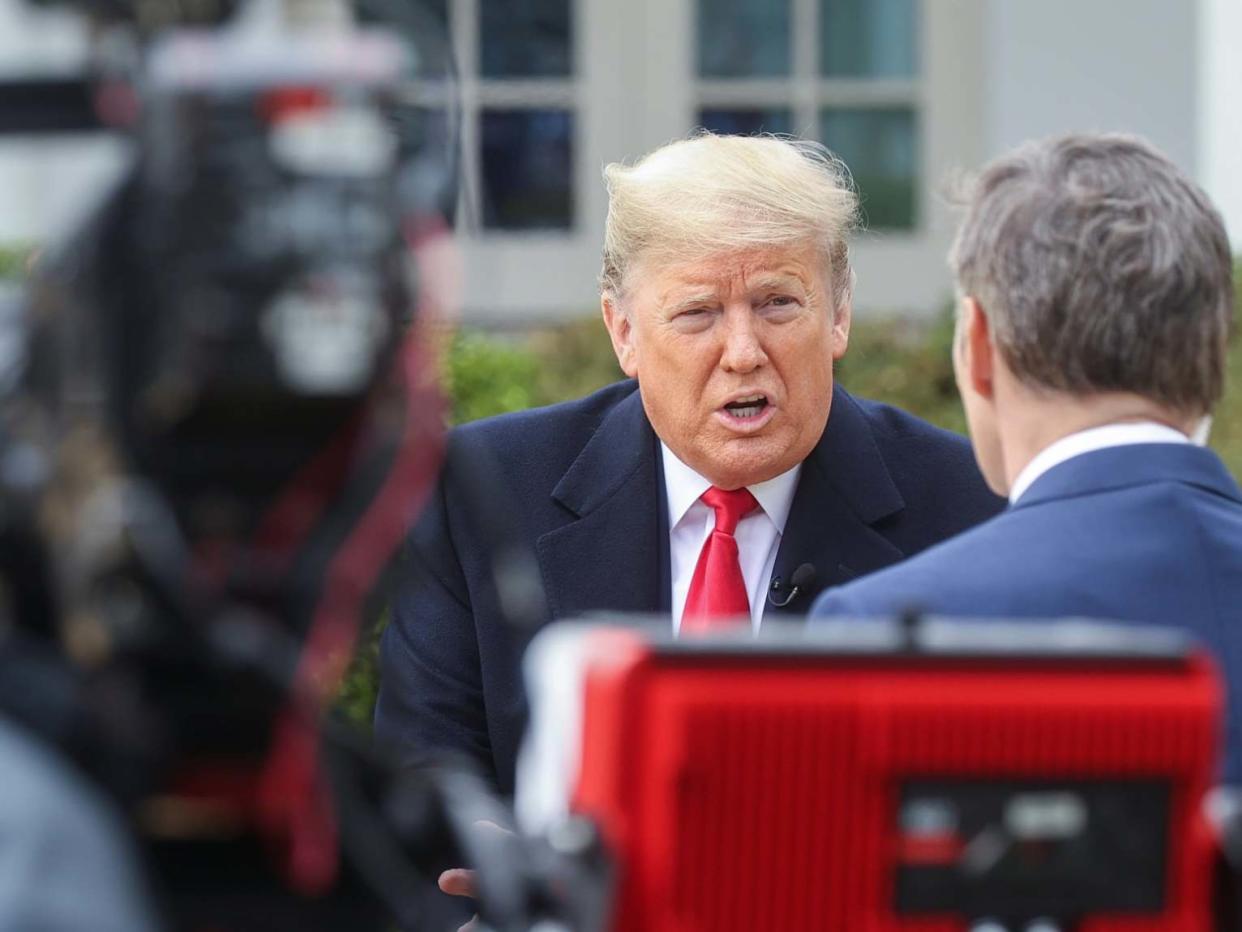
(933,775)
(216,425)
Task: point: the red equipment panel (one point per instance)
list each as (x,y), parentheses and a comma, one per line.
(744,791)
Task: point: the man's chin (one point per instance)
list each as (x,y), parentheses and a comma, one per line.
(747,461)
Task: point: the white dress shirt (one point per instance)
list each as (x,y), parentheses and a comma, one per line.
(1087,441)
(758,534)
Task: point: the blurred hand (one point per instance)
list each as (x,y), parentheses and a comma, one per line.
(458,881)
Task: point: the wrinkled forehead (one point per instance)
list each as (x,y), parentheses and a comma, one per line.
(721,273)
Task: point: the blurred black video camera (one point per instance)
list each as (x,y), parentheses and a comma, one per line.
(256,259)
(217,420)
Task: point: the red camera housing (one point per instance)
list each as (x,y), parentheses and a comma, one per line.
(744,787)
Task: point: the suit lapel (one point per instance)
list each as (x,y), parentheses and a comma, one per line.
(843,490)
(611,555)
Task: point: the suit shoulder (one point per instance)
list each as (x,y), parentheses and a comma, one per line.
(942,578)
(529,451)
(895,426)
(934,468)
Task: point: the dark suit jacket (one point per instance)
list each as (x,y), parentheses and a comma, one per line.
(1143,533)
(582,482)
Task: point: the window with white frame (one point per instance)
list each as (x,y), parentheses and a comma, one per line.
(843,71)
(552,90)
(516,82)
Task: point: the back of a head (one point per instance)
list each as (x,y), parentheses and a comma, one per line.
(710,194)
(1102,268)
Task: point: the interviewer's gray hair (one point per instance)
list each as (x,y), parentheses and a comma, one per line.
(711,194)
(1101,267)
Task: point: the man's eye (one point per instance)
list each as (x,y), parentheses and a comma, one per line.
(781,302)
(693,314)
(693,320)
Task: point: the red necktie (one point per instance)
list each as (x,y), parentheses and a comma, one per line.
(717,594)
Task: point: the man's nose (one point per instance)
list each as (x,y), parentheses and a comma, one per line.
(743,350)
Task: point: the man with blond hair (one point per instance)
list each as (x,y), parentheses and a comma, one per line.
(1096,302)
(726,470)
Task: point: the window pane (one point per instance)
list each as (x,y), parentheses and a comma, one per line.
(867,38)
(746,122)
(527,169)
(880,148)
(436,8)
(424,24)
(525,38)
(743,38)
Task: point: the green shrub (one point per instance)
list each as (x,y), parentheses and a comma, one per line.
(905,363)
(360,686)
(13,261)
(486,375)
(1227,425)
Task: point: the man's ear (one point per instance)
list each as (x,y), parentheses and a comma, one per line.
(978,350)
(621,333)
(841,327)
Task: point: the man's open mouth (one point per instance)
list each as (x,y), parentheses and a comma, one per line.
(748,406)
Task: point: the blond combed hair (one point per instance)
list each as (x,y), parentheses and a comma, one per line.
(709,195)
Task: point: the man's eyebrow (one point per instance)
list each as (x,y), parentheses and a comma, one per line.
(777,280)
(688,300)
(683,298)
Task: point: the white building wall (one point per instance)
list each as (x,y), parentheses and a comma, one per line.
(1040,69)
(1220,110)
(1056,66)
(906,272)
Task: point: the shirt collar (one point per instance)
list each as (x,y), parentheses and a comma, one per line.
(683,486)
(1087,441)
